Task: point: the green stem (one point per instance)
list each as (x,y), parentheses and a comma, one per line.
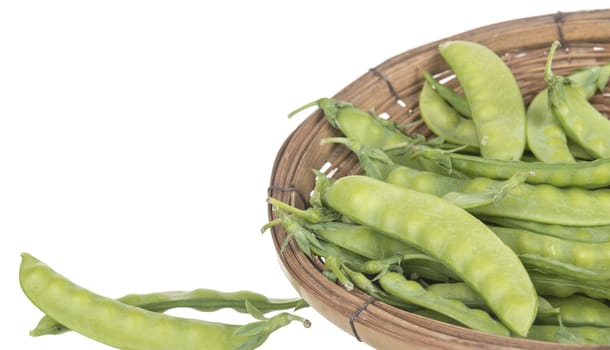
(549,76)
(300,109)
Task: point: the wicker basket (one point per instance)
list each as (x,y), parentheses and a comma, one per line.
(393,87)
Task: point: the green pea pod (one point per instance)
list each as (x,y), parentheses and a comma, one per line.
(540,203)
(590,234)
(581,121)
(206,300)
(447,233)
(455,100)
(561,286)
(546,138)
(571,335)
(494,96)
(360,239)
(462,292)
(585,174)
(125,326)
(398,286)
(594,257)
(379,165)
(444,121)
(578,310)
(369,129)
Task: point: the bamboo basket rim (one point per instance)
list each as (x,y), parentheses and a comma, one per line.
(392,87)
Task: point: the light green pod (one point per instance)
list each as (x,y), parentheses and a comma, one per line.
(128,327)
(589,234)
(395,284)
(540,203)
(571,335)
(585,174)
(494,96)
(546,138)
(590,256)
(581,121)
(561,286)
(445,232)
(578,310)
(202,299)
(445,121)
(455,100)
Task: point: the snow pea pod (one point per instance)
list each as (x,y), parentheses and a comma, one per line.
(199,299)
(455,100)
(128,327)
(586,174)
(590,234)
(581,121)
(360,239)
(540,203)
(395,284)
(578,310)
(546,138)
(365,127)
(462,292)
(444,121)
(494,96)
(445,232)
(590,256)
(571,335)
(561,286)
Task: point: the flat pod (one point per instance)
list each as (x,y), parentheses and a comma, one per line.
(445,232)
(494,96)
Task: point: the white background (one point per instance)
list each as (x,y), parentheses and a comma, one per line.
(137,138)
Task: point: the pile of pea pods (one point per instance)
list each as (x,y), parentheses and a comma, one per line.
(499,222)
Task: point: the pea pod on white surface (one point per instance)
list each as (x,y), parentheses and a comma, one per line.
(128,327)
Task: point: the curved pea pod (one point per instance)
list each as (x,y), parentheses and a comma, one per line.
(581,121)
(363,126)
(540,203)
(360,239)
(548,284)
(578,310)
(546,138)
(199,299)
(590,234)
(373,245)
(462,292)
(447,233)
(395,284)
(494,96)
(456,101)
(594,257)
(586,174)
(445,121)
(128,327)
(571,335)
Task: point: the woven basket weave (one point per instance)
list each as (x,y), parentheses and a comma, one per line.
(393,87)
